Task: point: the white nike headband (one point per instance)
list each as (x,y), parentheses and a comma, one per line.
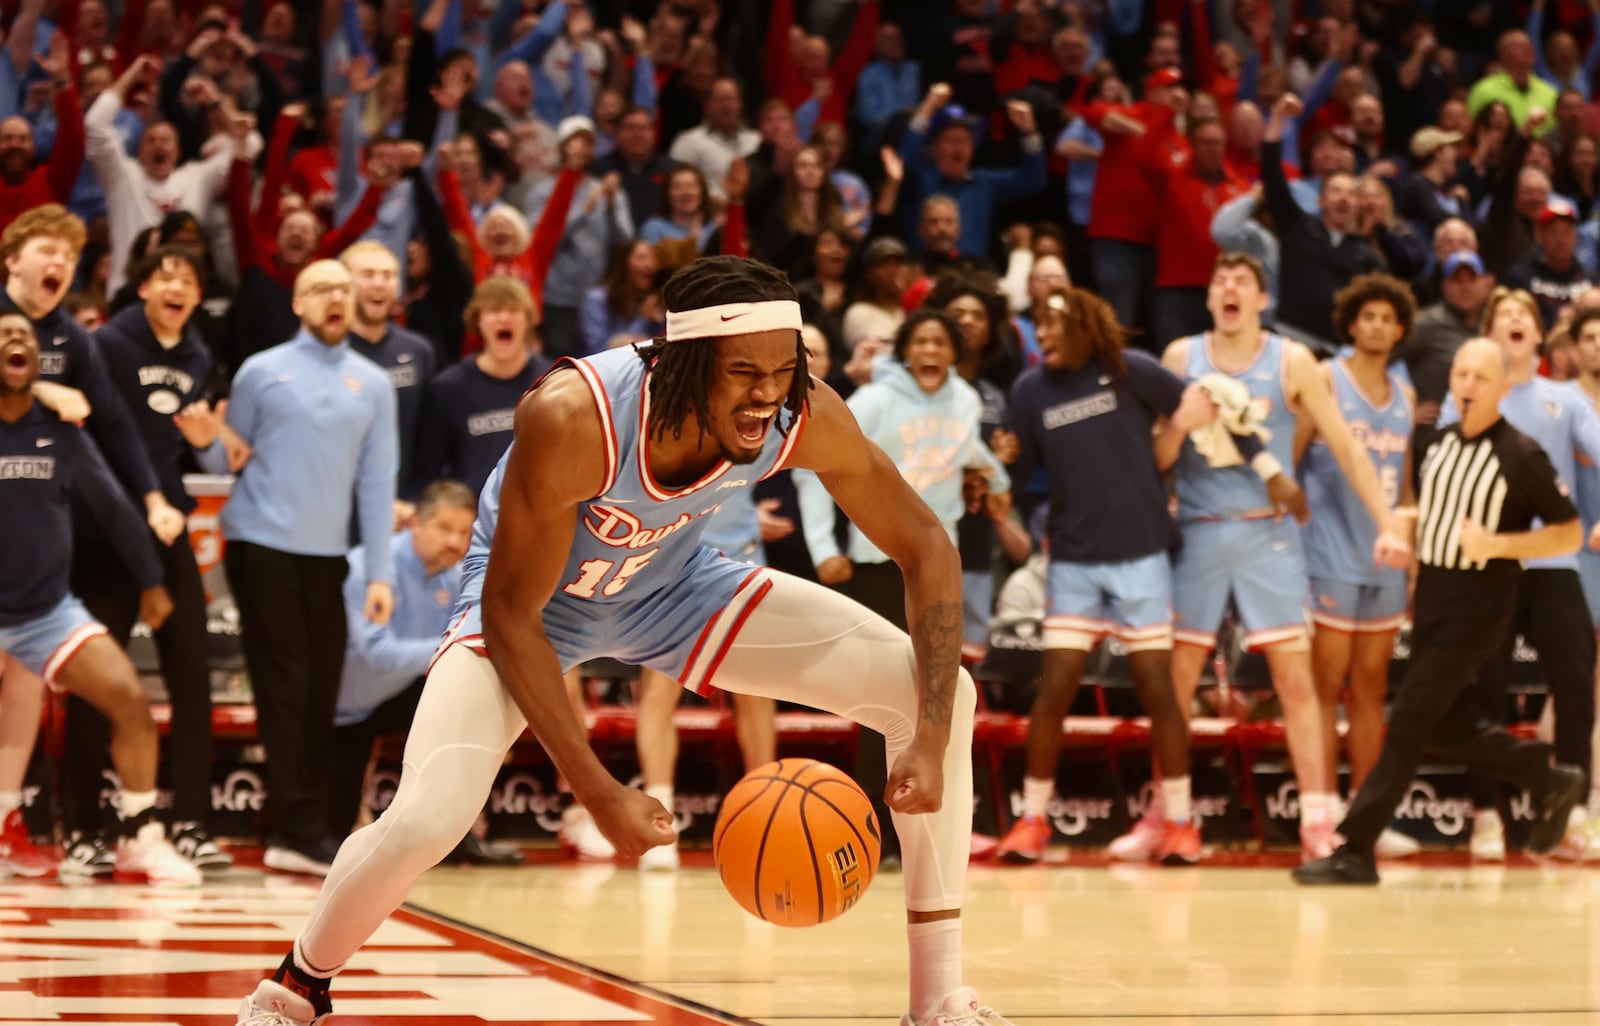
(733,319)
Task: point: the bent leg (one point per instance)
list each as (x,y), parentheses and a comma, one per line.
(463,726)
(844,659)
(99,672)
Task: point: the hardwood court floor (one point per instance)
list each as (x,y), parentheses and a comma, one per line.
(1060,944)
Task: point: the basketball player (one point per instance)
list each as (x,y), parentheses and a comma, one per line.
(1585,331)
(1087,418)
(1358,607)
(46,468)
(1236,543)
(597,554)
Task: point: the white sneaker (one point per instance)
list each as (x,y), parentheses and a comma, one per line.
(149,854)
(288,860)
(1141,843)
(276,1005)
(1488,837)
(1581,842)
(1392,844)
(580,836)
(661,859)
(960,1008)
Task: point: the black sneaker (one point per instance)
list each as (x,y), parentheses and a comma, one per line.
(1344,866)
(474,851)
(195,844)
(88,854)
(1561,796)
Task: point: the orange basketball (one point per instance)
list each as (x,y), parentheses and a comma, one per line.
(796,842)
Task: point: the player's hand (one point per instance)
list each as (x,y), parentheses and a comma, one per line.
(380,602)
(199,424)
(1285,493)
(835,570)
(632,821)
(71,405)
(773,526)
(916,780)
(1478,543)
(1195,410)
(155,605)
(166,522)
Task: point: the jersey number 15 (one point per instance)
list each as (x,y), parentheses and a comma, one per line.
(592,571)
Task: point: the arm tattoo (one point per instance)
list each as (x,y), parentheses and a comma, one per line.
(936,643)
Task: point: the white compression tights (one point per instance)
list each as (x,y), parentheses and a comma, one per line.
(804,643)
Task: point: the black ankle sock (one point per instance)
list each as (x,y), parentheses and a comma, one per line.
(313,988)
(129,827)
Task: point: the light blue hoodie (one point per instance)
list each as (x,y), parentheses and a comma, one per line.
(931,437)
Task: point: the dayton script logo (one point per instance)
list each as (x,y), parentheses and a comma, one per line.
(622,530)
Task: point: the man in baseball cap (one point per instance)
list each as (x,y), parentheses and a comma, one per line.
(1430,197)
(1552,272)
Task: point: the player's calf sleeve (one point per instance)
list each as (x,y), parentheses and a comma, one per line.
(934,846)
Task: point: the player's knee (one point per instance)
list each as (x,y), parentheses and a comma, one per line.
(425,832)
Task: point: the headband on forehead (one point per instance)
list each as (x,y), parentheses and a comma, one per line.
(732,319)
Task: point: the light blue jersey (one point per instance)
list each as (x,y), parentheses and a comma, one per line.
(1564,423)
(639,585)
(1586,493)
(1210,493)
(1341,534)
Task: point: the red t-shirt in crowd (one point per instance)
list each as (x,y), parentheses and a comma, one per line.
(1185,254)
(1127,183)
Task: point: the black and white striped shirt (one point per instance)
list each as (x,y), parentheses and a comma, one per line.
(1500,479)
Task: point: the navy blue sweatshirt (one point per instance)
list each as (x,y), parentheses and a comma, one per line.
(155,383)
(45,468)
(68,356)
(467,417)
(408,360)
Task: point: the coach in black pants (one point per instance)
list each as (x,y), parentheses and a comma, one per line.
(1483,485)
(320,424)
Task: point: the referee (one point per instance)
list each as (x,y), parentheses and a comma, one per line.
(1483,484)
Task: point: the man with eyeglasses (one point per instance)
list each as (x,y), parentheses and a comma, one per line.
(317,423)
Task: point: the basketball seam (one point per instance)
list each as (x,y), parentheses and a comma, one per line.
(811,848)
(766,832)
(847,821)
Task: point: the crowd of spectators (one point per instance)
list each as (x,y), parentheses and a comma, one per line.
(518,178)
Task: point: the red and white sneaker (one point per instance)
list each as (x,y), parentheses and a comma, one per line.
(19,856)
(960,1008)
(1142,842)
(149,854)
(1025,842)
(273,1004)
(1180,844)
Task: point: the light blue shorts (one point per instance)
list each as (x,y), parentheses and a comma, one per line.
(45,644)
(1131,601)
(977,602)
(684,629)
(1357,608)
(1258,562)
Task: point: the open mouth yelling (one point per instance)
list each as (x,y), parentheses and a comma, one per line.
(16,360)
(1231,308)
(1517,336)
(751,425)
(53,283)
(929,375)
(504,336)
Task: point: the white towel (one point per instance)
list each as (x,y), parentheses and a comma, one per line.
(1236,415)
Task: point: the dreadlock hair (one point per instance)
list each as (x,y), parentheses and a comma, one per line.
(1082,314)
(1349,301)
(681,372)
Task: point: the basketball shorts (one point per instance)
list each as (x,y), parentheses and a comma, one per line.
(683,630)
(46,643)
(1131,601)
(977,602)
(1357,608)
(1589,577)
(1259,563)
